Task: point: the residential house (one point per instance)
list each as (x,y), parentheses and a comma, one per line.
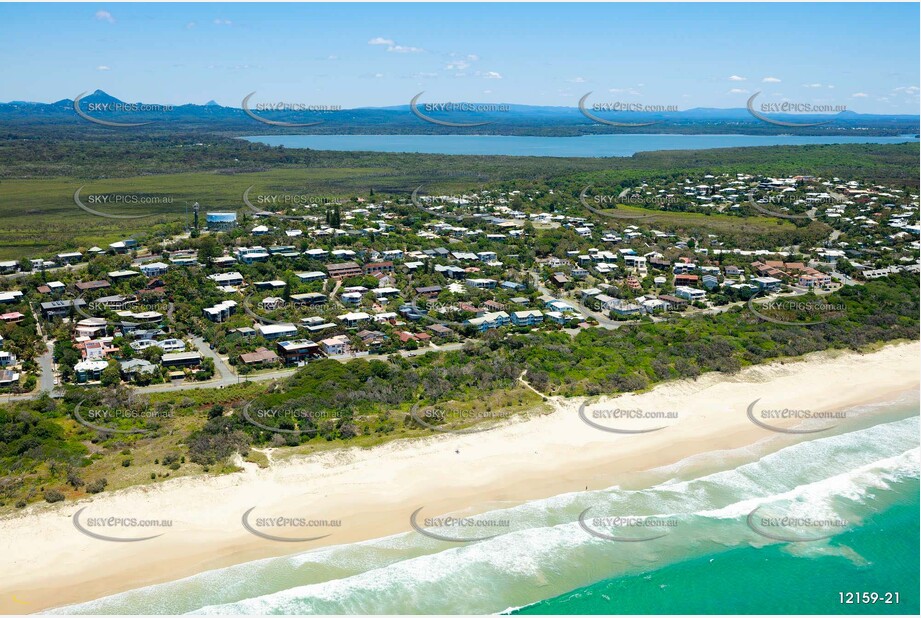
(60,308)
(309,298)
(154,269)
(375,268)
(335,346)
(89,370)
(767,284)
(689,293)
(343,270)
(181,359)
(221,311)
(527,318)
(298,351)
(488,321)
(354,319)
(431,291)
(227,279)
(276,331)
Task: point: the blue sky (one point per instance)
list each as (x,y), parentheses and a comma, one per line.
(862,56)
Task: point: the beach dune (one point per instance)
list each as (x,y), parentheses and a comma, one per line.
(358,494)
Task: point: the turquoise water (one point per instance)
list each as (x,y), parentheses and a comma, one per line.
(583,146)
(710,560)
(773,580)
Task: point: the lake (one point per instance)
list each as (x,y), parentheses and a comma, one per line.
(581,146)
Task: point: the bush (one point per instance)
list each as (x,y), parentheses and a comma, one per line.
(53,495)
(97,486)
(74,480)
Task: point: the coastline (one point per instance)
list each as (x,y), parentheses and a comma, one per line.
(52,564)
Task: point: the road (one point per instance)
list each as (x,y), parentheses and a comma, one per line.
(46,362)
(228,377)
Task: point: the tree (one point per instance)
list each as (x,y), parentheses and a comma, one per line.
(110,375)
(208,249)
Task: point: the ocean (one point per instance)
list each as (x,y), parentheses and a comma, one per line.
(777,527)
(582,146)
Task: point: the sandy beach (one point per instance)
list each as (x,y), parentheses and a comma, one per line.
(373,491)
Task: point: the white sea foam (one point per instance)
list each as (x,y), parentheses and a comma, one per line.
(546,552)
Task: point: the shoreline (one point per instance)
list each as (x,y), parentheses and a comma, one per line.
(53,565)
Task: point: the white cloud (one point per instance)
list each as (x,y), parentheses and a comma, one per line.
(576,80)
(190,25)
(103,67)
(770,80)
(489,75)
(860,95)
(222,22)
(472,57)
(404,49)
(487,92)
(909,90)
(105,16)
(457,65)
(393,47)
(738,91)
(812,85)
(736,78)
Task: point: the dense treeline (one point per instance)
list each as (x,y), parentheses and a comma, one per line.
(35,152)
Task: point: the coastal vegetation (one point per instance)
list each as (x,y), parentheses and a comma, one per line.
(45,448)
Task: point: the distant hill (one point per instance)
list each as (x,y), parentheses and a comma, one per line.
(516,119)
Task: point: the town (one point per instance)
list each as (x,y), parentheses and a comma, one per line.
(255,294)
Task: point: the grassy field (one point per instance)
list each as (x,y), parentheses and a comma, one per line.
(40,216)
(716,222)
